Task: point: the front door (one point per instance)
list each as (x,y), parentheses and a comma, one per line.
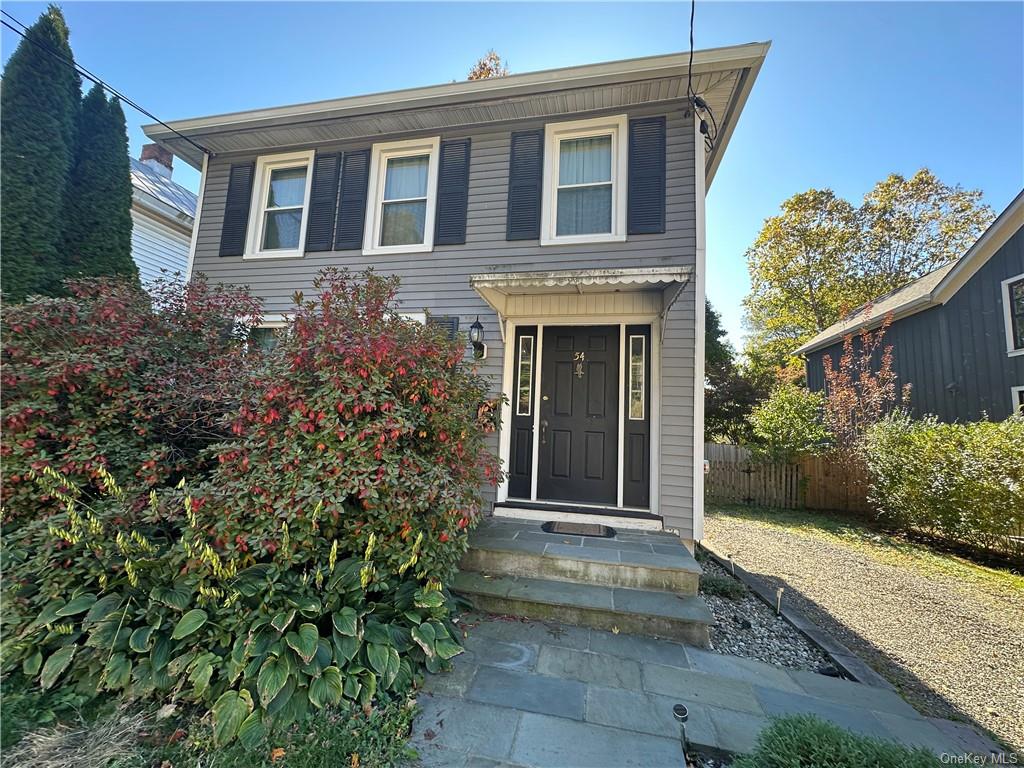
(579,415)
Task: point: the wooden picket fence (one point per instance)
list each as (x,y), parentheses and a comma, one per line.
(811,483)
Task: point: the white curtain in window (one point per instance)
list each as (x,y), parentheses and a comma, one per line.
(585,161)
(584,210)
(406,177)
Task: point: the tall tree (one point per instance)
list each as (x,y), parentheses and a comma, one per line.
(821,257)
(910,227)
(800,273)
(98,227)
(729,394)
(39,102)
(490,65)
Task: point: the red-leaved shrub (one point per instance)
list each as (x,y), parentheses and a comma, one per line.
(371,419)
(117,378)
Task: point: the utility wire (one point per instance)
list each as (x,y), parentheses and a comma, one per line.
(95,79)
(698,104)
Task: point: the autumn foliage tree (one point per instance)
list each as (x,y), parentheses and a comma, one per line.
(822,257)
(862,388)
(489,65)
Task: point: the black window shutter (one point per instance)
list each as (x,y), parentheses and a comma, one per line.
(236,209)
(355,173)
(323,201)
(525,169)
(452,193)
(448,323)
(646,208)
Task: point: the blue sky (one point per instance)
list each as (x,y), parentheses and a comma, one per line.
(850,92)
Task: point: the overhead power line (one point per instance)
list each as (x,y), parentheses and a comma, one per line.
(698,104)
(94,79)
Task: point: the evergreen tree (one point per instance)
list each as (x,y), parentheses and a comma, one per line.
(39,102)
(98,226)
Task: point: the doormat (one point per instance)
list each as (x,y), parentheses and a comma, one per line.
(579,529)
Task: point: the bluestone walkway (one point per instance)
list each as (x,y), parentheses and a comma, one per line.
(542,695)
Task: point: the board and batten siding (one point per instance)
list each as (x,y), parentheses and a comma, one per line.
(439,281)
(954,355)
(157,246)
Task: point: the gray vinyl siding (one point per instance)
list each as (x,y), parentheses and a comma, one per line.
(438,281)
(954,355)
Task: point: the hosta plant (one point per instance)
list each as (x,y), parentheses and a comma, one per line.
(144,613)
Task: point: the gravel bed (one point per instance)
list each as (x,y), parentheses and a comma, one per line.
(749,628)
(954,648)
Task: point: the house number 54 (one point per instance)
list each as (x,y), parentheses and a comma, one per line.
(579,357)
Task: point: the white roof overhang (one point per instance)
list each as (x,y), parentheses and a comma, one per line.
(496,288)
(722,76)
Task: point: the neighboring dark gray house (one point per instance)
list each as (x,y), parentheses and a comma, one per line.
(957,333)
(162,215)
(563,208)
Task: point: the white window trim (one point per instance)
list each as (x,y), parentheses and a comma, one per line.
(375,191)
(416,317)
(1011,351)
(554,133)
(1014,402)
(257,205)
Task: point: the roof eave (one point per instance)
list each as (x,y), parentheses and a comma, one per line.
(912,307)
(748,58)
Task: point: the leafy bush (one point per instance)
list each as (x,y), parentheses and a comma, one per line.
(964,482)
(721,586)
(113,377)
(804,741)
(344,735)
(308,564)
(788,424)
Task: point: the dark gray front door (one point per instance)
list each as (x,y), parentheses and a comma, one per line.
(579,432)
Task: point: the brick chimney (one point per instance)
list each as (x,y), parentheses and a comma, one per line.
(158,159)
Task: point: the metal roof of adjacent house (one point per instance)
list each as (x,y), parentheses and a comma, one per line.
(928,290)
(162,188)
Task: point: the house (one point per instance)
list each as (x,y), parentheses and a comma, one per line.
(957,334)
(162,215)
(563,210)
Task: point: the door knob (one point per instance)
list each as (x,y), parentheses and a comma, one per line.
(544,398)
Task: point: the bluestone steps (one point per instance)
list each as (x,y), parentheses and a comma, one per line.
(640,582)
(633,559)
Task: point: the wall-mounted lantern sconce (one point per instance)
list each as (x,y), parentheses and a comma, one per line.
(476,338)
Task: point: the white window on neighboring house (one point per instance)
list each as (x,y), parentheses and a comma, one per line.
(402,197)
(280,204)
(1017,395)
(1013,313)
(584,181)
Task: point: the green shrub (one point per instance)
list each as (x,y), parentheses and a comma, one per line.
(804,741)
(341,736)
(306,567)
(963,482)
(722,586)
(788,425)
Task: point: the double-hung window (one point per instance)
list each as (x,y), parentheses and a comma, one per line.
(403,196)
(585,181)
(1013,312)
(277,221)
